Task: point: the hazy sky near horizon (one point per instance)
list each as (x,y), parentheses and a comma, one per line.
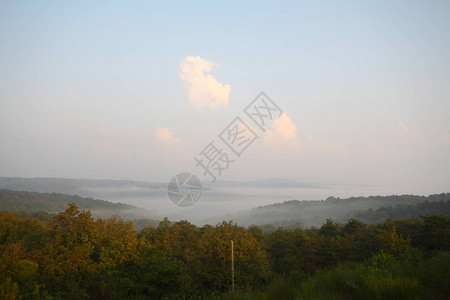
(133,90)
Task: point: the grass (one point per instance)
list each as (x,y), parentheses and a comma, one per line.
(382,277)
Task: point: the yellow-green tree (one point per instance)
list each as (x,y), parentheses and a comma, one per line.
(71,241)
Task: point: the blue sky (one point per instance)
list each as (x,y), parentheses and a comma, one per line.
(85,86)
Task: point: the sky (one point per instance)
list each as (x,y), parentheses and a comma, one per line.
(136,90)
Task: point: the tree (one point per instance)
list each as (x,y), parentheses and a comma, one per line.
(117,242)
(291,250)
(390,240)
(71,241)
(435,234)
(330,228)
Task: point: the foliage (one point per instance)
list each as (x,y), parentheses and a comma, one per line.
(78,257)
(43,205)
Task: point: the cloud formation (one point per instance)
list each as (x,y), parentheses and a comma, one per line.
(284,127)
(203,89)
(282,130)
(165,136)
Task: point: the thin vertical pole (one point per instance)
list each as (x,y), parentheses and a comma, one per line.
(232,267)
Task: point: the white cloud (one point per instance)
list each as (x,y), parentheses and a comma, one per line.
(169,146)
(284,127)
(283,135)
(165,136)
(283,130)
(203,89)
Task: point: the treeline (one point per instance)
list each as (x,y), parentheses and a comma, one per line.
(45,217)
(377,216)
(52,202)
(21,201)
(314,213)
(75,256)
(402,211)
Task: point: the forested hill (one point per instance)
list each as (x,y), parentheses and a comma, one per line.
(356,202)
(16,201)
(374,209)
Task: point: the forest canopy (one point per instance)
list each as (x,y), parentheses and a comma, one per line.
(77,256)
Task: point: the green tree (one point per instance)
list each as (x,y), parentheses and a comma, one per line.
(390,241)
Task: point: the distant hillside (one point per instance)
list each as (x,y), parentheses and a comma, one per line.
(82,187)
(21,201)
(86,187)
(375,216)
(401,211)
(314,213)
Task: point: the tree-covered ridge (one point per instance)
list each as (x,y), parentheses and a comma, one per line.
(356,202)
(402,211)
(76,256)
(380,215)
(21,201)
(315,212)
